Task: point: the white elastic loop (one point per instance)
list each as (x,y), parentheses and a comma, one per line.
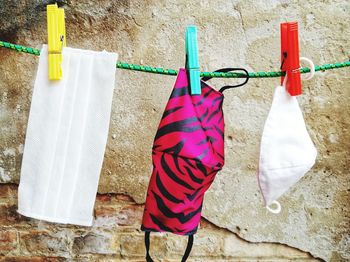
(277,209)
(312,69)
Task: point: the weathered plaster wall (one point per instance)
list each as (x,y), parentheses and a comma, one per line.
(315,216)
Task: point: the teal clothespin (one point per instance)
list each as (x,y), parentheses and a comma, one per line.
(192,64)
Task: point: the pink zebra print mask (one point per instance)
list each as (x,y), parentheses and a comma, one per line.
(187,153)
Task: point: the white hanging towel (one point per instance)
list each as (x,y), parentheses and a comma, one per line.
(66,137)
(287,152)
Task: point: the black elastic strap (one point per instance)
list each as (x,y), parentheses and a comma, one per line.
(188,248)
(230,69)
(185,256)
(148,257)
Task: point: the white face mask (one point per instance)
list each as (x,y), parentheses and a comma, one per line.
(66,137)
(287,152)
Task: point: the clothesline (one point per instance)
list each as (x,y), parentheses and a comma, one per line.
(163,71)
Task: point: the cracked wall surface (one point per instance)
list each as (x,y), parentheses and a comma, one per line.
(315,214)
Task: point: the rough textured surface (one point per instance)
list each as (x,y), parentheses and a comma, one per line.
(115,236)
(315,216)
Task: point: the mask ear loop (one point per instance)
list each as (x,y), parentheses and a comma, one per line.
(312,69)
(229,69)
(304,76)
(276,210)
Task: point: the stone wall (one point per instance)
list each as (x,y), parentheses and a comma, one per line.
(314,222)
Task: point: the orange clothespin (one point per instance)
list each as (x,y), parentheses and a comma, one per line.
(290,57)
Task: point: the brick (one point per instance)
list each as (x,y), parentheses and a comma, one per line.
(8,192)
(43,243)
(130,215)
(4,191)
(125,198)
(8,241)
(106,211)
(176,246)
(98,258)
(132,245)
(32,259)
(104,198)
(109,216)
(206,243)
(95,243)
(9,216)
(111,198)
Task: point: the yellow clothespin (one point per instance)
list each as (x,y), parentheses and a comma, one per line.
(56,38)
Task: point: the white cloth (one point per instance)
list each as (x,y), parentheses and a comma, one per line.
(66,137)
(287,151)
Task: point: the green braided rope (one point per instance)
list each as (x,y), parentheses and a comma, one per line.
(158,70)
